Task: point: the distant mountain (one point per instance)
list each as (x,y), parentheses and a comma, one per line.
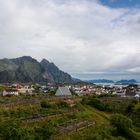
(26,69)
(123,82)
(100,81)
(126,82)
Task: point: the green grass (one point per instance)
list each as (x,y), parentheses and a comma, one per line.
(17,108)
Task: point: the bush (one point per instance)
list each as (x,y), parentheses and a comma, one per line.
(131,106)
(44,132)
(45,104)
(11,130)
(96,133)
(121,122)
(135,116)
(62,104)
(97,104)
(124,126)
(52,92)
(107,95)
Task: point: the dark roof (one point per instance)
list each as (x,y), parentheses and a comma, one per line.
(11,90)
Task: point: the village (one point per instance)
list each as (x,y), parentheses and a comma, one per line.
(69,90)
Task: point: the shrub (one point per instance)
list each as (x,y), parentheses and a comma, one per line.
(45,104)
(62,104)
(121,122)
(131,106)
(97,104)
(124,126)
(44,132)
(10,130)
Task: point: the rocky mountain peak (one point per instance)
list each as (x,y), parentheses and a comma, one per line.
(27,69)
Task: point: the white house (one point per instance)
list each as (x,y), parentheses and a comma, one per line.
(10,92)
(137,96)
(26,90)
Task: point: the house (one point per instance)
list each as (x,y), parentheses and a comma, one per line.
(63,92)
(121,93)
(137,96)
(26,89)
(85,91)
(10,92)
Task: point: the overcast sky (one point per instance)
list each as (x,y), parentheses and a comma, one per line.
(86,38)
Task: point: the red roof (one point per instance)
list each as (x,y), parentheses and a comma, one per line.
(85,91)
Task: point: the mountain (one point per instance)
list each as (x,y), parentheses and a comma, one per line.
(52,72)
(123,82)
(99,81)
(26,69)
(126,82)
(75,80)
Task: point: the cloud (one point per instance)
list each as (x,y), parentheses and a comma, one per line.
(78,36)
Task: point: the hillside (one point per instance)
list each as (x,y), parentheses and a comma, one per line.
(26,69)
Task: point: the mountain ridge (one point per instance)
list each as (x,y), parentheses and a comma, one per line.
(123,81)
(100,81)
(27,69)
(131,81)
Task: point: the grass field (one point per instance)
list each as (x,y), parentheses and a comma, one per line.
(41,115)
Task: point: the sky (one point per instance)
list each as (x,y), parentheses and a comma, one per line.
(89,39)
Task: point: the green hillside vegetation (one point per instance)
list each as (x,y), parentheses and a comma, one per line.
(39,117)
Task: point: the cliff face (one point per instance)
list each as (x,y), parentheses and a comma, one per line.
(52,72)
(26,69)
